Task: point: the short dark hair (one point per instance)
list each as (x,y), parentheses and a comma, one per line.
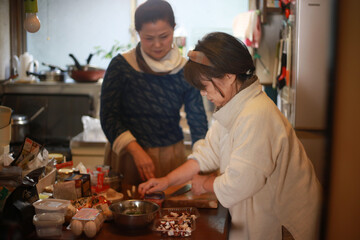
(153,10)
(228,55)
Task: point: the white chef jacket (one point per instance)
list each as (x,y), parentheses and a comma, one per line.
(266,179)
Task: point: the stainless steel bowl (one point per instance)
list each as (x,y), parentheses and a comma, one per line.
(134,214)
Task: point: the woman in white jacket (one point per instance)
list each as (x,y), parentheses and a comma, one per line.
(266,179)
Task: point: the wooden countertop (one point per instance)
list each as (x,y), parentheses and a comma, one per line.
(213,224)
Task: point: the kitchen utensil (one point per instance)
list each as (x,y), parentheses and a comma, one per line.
(134,214)
(38,112)
(85,73)
(5,116)
(53,67)
(189,199)
(91,74)
(186,188)
(77,64)
(25,63)
(20,125)
(89,59)
(19,128)
(49,76)
(55,74)
(5,127)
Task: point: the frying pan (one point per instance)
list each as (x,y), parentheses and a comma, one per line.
(85,73)
(92,74)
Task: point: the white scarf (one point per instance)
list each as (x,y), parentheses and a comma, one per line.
(172,62)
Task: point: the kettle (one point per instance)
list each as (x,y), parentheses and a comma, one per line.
(26,63)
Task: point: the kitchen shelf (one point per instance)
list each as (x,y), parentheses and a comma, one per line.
(265,11)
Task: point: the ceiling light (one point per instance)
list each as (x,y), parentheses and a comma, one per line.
(32,22)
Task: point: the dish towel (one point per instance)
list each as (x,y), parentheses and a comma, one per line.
(247,27)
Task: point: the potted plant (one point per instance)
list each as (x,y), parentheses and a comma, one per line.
(116,48)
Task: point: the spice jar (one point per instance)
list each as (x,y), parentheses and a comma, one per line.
(64,173)
(58,157)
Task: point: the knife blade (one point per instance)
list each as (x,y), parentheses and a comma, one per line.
(184,189)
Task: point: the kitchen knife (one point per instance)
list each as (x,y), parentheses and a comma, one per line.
(186,188)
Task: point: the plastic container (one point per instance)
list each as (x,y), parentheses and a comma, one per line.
(88,221)
(51,205)
(176,222)
(48,224)
(168,212)
(113,182)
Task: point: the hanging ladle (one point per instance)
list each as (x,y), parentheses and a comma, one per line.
(38,112)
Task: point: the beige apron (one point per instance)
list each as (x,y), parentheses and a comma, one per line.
(165,160)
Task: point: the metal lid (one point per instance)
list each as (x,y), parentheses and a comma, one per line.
(19,119)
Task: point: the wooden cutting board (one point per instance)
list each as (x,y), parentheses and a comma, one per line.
(206,200)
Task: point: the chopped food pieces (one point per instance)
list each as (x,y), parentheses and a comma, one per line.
(176,228)
(177,224)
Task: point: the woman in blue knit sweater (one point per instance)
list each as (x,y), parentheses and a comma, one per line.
(142,93)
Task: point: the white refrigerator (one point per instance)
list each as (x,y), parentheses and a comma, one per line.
(305,100)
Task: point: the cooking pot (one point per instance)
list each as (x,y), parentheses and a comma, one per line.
(20,126)
(49,76)
(55,74)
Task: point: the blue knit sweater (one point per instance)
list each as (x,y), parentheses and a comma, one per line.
(149,106)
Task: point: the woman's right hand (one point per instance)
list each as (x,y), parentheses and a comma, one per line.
(143,161)
(153,185)
(178,176)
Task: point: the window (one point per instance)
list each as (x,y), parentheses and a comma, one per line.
(78,26)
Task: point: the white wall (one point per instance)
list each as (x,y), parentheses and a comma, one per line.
(78,26)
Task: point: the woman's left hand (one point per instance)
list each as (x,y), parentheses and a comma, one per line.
(202,184)
(197,184)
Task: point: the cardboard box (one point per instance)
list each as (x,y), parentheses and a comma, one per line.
(82,184)
(49,179)
(88,153)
